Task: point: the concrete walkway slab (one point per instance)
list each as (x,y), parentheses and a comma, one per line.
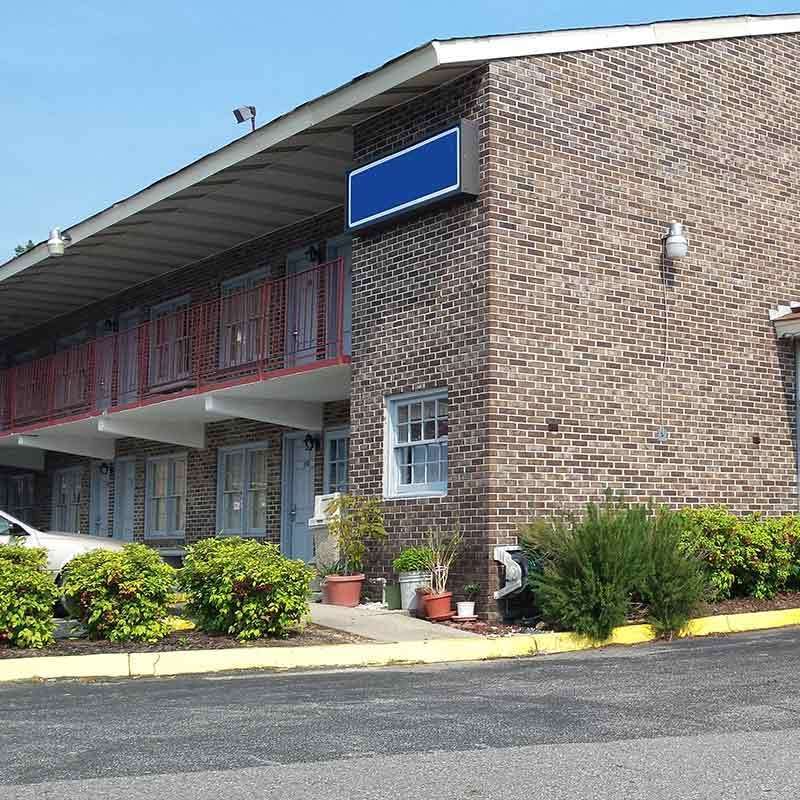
(382,625)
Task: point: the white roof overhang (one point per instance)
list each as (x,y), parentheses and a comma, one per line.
(287,170)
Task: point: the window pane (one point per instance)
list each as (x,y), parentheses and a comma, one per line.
(231,513)
(180,476)
(402,413)
(433,472)
(402,433)
(233,472)
(441,407)
(430,429)
(258,511)
(430,409)
(442,427)
(258,468)
(416,431)
(415,410)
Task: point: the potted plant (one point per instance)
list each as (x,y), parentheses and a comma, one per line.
(411,567)
(443,551)
(466,608)
(353,521)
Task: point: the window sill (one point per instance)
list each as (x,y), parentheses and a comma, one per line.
(421,495)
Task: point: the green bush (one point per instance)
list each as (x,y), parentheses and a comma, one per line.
(120,595)
(27,596)
(590,565)
(750,556)
(672,584)
(245,588)
(412,559)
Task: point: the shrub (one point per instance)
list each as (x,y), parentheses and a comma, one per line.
(672,583)
(245,588)
(590,565)
(27,596)
(412,559)
(743,556)
(120,595)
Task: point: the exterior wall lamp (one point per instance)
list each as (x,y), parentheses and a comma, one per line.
(311,442)
(676,245)
(57,242)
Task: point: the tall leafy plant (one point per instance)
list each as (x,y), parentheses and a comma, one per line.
(442,550)
(355,521)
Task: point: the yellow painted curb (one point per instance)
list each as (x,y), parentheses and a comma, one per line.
(429,651)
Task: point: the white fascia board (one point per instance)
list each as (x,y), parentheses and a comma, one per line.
(183,434)
(306,116)
(301,415)
(492,48)
(22,458)
(75,445)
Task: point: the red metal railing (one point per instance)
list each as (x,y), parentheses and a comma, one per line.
(290,324)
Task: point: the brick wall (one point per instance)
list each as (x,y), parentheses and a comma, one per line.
(419,322)
(591,155)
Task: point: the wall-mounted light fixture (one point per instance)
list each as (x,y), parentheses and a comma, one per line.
(311,442)
(106,468)
(676,245)
(315,253)
(57,242)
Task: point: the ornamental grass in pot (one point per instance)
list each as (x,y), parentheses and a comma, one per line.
(413,574)
(443,551)
(354,521)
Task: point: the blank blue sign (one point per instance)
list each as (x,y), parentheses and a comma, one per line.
(411,177)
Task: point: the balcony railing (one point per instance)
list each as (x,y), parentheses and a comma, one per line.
(293,323)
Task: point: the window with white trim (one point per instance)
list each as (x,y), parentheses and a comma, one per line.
(17,496)
(66,497)
(337,450)
(242,484)
(165,505)
(416,458)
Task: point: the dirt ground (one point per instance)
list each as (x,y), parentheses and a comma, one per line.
(183,640)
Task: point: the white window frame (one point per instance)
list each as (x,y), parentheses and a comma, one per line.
(392,488)
(334,434)
(21,512)
(246,449)
(149,531)
(77,473)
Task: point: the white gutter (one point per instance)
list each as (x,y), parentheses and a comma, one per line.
(531,44)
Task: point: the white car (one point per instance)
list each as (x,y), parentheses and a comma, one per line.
(60,547)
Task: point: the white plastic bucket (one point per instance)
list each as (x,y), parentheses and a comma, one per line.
(466,608)
(409,583)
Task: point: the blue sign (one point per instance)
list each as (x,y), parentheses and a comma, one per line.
(440,167)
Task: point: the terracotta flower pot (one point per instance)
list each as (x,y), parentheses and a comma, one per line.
(343,590)
(438,606)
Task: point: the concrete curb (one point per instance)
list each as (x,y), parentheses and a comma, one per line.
(430,651)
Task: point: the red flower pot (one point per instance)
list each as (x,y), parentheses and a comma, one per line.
(343,590)
(438,606)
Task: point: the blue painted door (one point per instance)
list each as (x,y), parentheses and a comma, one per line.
(298,497)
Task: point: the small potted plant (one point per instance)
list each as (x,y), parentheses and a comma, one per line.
(443,552)
(354,521)
(411,568)
(466,608)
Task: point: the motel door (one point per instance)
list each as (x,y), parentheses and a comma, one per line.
(298,497)
(104,364)
(302,292)
(99,486)
(128,348)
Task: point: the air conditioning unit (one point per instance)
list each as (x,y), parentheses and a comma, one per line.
(321,516)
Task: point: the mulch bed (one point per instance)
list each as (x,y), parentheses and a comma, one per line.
(738,605)
(741,605)
(184,640)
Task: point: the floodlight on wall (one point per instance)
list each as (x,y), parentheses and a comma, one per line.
(243,113)
(57,242)
(676,245)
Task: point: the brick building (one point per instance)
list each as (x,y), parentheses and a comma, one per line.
(215,350)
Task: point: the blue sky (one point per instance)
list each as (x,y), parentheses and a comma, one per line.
(98,99)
